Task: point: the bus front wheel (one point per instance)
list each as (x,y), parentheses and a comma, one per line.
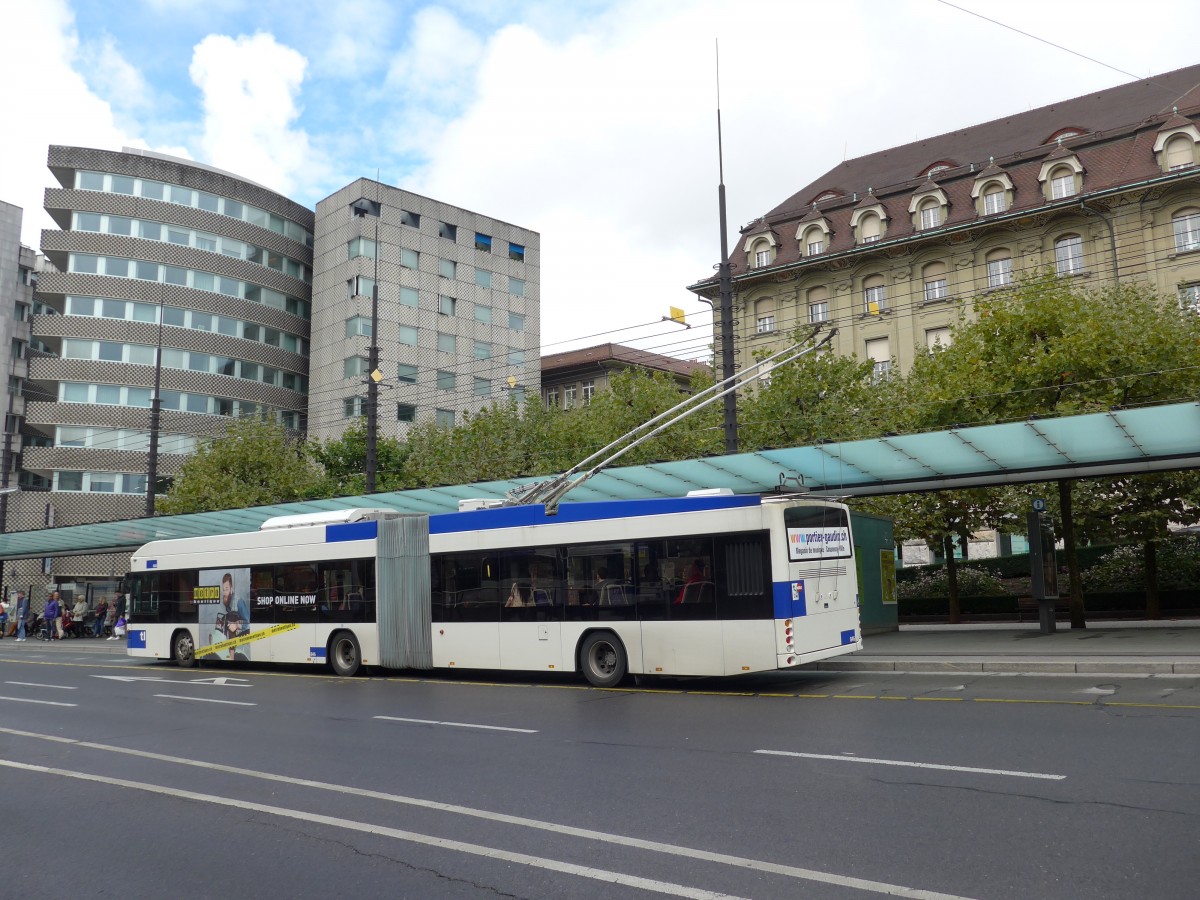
(602,658)
(344,655)
(183,649)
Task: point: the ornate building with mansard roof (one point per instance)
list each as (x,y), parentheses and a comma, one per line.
(892,247)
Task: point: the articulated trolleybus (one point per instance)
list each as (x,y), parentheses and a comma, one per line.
(697,585)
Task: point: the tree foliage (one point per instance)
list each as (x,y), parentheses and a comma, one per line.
(344,459)
(254,463)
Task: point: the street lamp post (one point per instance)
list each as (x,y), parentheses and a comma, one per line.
(363,208)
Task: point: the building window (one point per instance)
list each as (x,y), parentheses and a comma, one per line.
(1187,230)
(353,407)
(874,296)
(446,305)
(406,374)
(445,380)
(937,338)
(359,246)
(358,326)
(483,387)
(447,343)
(483,314)
(407,335)
(448,231)
(870,229)
(483,242)
(483,278)
(516,287)
(1189,297)
(1068,255)
(406,412)
(482,350)
(999,269)
(411,219)
(1062,184)
(517,252)
(931,215)
(1180,153)
(409,297)
(552,400)
(355,365)
(569,394)
(589,391)
(516,357)
(444,418)
(935,283)
(881,357)
(995,200)
(361,286)
(818,312)
(447,268)
(410,259)
(762,258)
(764,315)
(516,321)
(814,247)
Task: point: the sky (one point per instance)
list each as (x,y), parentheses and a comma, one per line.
(592,122)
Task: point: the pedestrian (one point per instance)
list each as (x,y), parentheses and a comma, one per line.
(3,618)
(78,614)
(117,614)
(53,616)
(101,615)
(22,614)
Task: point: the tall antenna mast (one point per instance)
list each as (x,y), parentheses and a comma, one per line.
(726,279)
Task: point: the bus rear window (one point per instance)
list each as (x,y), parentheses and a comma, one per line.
(817,532)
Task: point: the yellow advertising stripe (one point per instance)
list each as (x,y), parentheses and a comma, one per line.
(1050,702)
(247,638)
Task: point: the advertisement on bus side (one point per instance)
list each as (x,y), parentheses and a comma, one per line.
(224,611)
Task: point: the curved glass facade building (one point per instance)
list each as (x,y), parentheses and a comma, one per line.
(155,249)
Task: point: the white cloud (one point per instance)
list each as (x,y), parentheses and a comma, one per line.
(113,76)
(250,88)
(438,65)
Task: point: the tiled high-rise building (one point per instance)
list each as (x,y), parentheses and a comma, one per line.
(458,309)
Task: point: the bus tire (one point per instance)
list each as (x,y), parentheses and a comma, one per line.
(603,660)
(344,654)
(183,649)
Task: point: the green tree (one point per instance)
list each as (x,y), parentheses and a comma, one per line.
(253,463)
(1138,509)
(344,459)
(1046,347)
(815,398)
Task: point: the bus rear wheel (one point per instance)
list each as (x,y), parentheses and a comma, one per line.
(344,654)
(603,660)
(183,649)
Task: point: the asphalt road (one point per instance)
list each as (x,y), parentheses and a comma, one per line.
(127,779)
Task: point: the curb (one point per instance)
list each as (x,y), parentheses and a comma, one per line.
(1032,667)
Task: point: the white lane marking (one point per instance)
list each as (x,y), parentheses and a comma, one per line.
(204,700)
(61,687)
(757,865)
(539,862)
(220,681)
(914,765)
(42,702)
(458,724)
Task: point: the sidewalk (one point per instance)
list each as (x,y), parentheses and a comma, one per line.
(1139,648)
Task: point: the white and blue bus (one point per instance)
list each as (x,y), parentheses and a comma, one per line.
(691,586)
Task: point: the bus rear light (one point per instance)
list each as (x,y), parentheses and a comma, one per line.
(791,659)
(787,623)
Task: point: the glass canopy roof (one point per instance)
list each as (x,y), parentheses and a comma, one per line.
(1121,441)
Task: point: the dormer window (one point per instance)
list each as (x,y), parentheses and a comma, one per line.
(931,215)
(1062,184)
(1175,147)
(1061,176)
(813,237)
(760,251)
(995,200)
(868,221)
(828,195)
(762,258)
